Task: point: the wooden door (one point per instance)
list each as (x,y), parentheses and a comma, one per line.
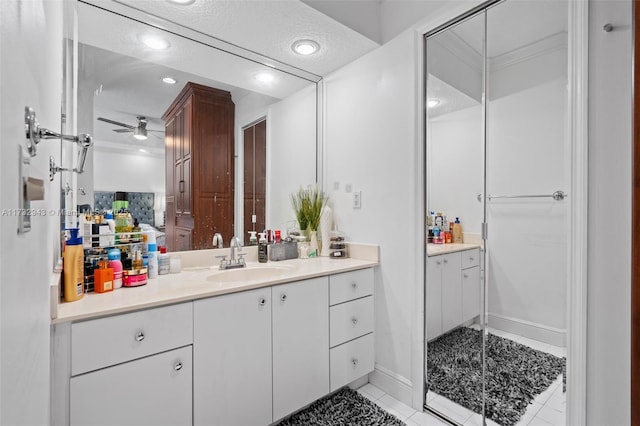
(170,191)
(255,179)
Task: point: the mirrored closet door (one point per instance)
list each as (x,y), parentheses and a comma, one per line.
(497,171)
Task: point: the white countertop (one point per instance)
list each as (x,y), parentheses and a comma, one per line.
(196,282)
(438,249)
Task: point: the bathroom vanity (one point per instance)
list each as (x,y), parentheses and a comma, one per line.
(207,347)
(453,286)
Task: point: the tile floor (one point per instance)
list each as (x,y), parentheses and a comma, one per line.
(547,409)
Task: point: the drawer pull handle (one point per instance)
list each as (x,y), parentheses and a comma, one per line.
(262,301)
(177,366)
(354,320)
(139,336)
(465,275)
(354,361)
(283,297)
(354,285)
(471,259)
(445,261)
(438,262)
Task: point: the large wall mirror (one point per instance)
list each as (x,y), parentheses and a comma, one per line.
(122,98)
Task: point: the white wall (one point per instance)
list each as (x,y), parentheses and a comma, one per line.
(369,144)
(131,172)
(31,74)
(291,153)
(609,251)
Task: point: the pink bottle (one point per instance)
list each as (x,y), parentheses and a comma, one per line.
(116,265)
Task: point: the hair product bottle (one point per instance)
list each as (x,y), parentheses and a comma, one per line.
(73,268)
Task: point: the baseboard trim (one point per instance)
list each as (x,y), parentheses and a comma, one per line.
(532,330)
(392,383)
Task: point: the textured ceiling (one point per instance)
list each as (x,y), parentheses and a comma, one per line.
(268,27)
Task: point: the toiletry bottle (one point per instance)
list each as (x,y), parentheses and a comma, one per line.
(137,260)
(262,248)
(153,261)
(73,268)
(116,264)
(457,231)
(253,240)
(164,262)
(103,278)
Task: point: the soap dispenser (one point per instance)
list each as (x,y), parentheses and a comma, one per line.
(457,231)
(262,248)
(253,240)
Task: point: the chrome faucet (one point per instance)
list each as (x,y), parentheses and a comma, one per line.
(217,240)
(233,262)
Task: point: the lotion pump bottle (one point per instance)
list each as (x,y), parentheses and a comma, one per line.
(457,231)
(262,248)
(252,238)
(73,268)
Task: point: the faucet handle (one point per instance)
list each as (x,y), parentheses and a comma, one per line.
(241,258)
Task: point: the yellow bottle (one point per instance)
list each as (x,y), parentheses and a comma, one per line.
(457,231)
(73,268)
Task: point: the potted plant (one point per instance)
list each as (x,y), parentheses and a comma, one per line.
(308,205)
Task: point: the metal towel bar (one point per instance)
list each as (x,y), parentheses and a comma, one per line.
(557,195)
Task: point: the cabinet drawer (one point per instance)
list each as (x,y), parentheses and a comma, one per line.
(351,361)
(155,390)
(350,285)
(112,340)
(350,320)
(470,258)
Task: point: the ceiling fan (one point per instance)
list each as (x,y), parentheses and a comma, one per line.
(139,132)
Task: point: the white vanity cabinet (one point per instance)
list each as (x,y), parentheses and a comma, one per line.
(133,368)
(232,359)
(452,290)
(300,344)
(351,326)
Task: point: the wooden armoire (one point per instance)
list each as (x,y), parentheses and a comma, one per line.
(199,148)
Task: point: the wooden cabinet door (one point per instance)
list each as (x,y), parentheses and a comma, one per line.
(300,319)
(170,192)
(155,390)
(451,291)
(232,359)
(434,297)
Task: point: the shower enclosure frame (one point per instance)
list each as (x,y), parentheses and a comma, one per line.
(577,251)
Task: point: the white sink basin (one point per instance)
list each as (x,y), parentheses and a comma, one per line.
(248,274)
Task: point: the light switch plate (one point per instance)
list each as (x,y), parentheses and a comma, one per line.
(357,200)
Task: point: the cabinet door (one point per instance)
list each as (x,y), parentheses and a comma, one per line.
(451,291)
(471,294)
(300,344)
(434,297)
(232,359)
(150,391)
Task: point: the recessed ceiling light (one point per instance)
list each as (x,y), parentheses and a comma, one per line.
(169,80)
(433,102)
(264,77)
(154,42)
(182,2)
(305,47)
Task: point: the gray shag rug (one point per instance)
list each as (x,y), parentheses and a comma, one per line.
(343,408)
(515,374)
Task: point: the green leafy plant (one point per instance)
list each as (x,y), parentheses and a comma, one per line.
(308,205)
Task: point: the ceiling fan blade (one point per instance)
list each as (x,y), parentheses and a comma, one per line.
(156,131)
(117,123)
(123,130)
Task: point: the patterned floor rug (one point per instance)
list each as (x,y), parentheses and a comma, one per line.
(343,408)
(516,373)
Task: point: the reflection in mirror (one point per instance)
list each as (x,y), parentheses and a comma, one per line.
(455,143)
(122,97)
(497,149)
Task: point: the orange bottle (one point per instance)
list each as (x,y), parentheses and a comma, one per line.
(103,278)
